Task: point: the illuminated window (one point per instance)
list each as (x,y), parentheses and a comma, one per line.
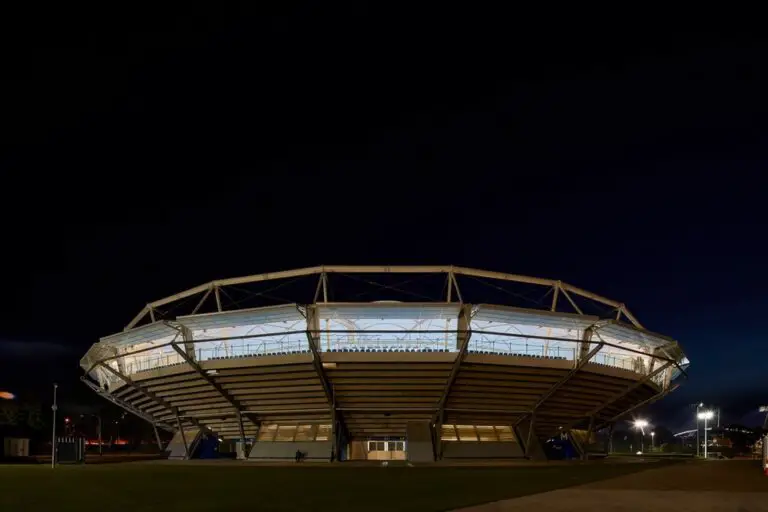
(505,434)
(267,432)
(466,432)
(486,433)
(377,446)
(305,433)
(323,433)
(482,433)
(286,432)
(448,433)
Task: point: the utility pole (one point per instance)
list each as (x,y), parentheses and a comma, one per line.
(53,438)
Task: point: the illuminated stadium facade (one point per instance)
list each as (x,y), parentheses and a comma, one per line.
(418,362)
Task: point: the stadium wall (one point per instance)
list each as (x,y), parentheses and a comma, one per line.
(312,450)
(478,450)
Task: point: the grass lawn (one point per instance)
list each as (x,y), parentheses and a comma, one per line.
(139,486)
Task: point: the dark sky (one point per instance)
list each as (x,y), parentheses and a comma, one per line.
(153,151)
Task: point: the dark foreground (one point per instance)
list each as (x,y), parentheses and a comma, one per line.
(695,486)
(144,486)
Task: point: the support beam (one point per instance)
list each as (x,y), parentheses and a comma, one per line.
(189,343)
(157,438)
(158,400)
(632,318)
(579,365)
(181,431)
(585,451)
(655,397)
(138,318)
(217,294)
(510,412)
(334,428)
(573,304)
(207,378)
(621,394)
(554,296)
(125,405)
(564,287)
(531,427)
(609,450)
(463,334)
(585,343)
(318,288)
(313,338)
(202,301)
(452,277)
(242,434)
(576,442)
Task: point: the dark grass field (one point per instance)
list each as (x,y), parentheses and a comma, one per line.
(143,486)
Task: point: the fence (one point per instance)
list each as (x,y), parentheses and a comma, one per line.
(385,341)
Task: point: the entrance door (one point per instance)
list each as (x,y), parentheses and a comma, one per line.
(386,450)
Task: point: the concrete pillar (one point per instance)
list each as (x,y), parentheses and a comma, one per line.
(420,445)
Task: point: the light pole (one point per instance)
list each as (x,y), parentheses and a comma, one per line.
(653,445)
(53,438)
(641,424)
(705,415)
(698,444)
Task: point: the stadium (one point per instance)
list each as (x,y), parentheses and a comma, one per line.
(417,363)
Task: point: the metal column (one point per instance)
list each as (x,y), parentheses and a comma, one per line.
(181,431)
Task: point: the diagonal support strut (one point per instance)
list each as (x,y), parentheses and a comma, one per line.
(618,396)
(571,374)
(463,335)
(158,400)
(223,392)
(125,405)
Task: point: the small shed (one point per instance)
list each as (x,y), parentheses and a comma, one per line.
(15,447)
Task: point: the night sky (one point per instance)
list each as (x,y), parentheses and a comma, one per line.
(155,151)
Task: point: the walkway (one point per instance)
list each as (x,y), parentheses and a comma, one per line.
(699,486)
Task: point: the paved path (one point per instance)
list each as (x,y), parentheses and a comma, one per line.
(702,486)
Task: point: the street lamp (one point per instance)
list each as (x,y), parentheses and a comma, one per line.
(640,425)
(698,444)
(653,446)
(54,407)
(705,415)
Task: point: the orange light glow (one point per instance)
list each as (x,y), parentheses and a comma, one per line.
(5,395)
